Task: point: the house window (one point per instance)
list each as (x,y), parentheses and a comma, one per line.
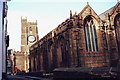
(90,35)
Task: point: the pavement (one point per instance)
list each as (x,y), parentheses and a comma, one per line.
(21,77)
(15,77)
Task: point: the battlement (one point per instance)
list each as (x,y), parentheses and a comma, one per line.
(25,19)
(32,23)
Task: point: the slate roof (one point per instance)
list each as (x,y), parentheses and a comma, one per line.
(110,11)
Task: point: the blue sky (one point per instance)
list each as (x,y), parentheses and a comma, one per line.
(49,14)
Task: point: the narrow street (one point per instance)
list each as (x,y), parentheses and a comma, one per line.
(59,40)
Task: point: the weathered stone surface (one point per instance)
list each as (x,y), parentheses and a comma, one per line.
(66,45)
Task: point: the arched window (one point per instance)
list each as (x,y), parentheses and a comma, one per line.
(117,29)
(90,35)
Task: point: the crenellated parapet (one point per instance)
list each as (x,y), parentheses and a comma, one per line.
(32,23)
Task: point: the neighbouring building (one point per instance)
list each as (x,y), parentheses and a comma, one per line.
(20,59)
(4,38)
(10,61)
(83,40)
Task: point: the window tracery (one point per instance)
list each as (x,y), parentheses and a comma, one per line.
(90,35)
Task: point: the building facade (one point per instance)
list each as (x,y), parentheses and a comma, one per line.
(83,40)
(20,59)
(4,38)
(10,61)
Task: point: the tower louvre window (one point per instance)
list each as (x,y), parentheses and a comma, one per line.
(30,28)
(90,35)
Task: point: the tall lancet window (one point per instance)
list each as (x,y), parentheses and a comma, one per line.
(90,35)
(117,30)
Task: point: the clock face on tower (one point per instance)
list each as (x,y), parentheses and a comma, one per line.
(31,38)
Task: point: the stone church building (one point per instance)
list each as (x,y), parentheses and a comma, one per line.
(29,36)
(83,40)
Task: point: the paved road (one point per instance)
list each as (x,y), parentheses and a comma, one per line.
(19,77)
(9,77)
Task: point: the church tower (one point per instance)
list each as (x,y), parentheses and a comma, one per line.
(29,34)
